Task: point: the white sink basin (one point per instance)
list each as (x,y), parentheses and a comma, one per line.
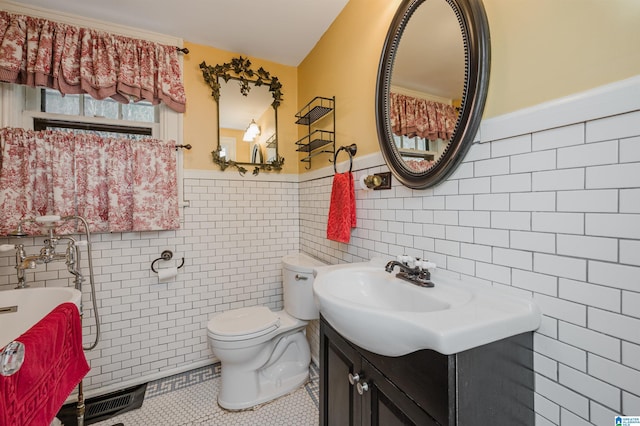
(23,308)
(388,316)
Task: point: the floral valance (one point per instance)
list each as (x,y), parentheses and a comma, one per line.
(72,60)
(116,184)
(413,117)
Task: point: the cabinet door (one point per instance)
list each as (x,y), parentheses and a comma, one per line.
(385,405)
(338,359)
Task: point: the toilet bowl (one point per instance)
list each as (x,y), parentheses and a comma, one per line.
(264,354)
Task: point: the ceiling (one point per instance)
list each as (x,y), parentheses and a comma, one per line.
(281,31)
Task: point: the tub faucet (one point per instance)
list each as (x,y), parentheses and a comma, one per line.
(24,261)
(20,258)
(418,274)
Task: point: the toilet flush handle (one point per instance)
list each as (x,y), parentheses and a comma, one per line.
(301,277)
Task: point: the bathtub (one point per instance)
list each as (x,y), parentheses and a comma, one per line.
(20,309)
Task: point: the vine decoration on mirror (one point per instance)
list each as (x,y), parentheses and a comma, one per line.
(223,163)
(240,69)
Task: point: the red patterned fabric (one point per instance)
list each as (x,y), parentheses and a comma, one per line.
(342,210)
(39,52)
(419,166)
(54,364)
(117,185)
(419,117)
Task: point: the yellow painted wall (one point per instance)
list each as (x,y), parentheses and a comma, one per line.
(199,125)
(548,49)
(541,50)
(344,64)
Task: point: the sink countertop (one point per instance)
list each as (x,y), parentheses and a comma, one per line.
(386,315)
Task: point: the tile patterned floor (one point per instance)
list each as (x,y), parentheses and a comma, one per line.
(189,399)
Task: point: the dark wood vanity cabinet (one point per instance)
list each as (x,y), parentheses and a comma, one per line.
(488,385)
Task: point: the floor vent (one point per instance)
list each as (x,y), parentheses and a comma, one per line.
(105,406)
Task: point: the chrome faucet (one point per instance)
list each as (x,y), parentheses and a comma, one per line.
(21,257)
(418,274)
(47,252)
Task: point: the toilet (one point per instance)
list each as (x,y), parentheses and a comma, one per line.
(265,354)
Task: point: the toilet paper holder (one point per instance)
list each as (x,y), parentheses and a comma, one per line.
(165,255)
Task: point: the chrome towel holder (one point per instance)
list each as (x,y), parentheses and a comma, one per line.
(165,255)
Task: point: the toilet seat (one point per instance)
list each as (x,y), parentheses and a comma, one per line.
(243,323)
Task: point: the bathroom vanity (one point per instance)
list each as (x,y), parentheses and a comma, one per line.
(492,384)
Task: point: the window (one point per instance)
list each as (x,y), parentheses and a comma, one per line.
(405,142)
(36,108)
(84,105)
(83,114)
(21,106)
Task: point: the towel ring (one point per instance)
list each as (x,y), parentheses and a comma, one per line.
(166,255)
(351,150)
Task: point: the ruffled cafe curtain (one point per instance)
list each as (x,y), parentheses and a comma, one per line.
(429,120)
(73,60)
(117,185)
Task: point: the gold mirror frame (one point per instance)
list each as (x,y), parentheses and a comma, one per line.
(475,35)
(240,69)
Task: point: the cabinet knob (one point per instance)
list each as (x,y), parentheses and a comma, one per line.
(354,378)
(362,387)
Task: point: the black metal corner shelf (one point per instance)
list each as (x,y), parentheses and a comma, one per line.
(271,142)
(317,141)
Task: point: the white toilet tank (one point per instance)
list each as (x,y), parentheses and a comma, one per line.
(297,284)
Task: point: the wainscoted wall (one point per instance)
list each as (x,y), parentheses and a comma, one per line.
(233,238)
(548,206)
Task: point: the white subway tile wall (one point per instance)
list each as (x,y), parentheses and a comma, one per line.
(555,215)
(233,238)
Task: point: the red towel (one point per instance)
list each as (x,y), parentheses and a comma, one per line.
(342,210)
(54,364)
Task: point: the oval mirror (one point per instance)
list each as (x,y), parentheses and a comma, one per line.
(431,88)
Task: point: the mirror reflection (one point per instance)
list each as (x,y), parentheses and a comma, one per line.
(247,113)
(432,86)
(247,122)
(427,85)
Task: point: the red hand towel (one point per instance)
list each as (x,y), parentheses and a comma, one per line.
(54,364)
(342,209)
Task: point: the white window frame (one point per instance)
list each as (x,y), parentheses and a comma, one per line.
(32,109)
(16,101)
